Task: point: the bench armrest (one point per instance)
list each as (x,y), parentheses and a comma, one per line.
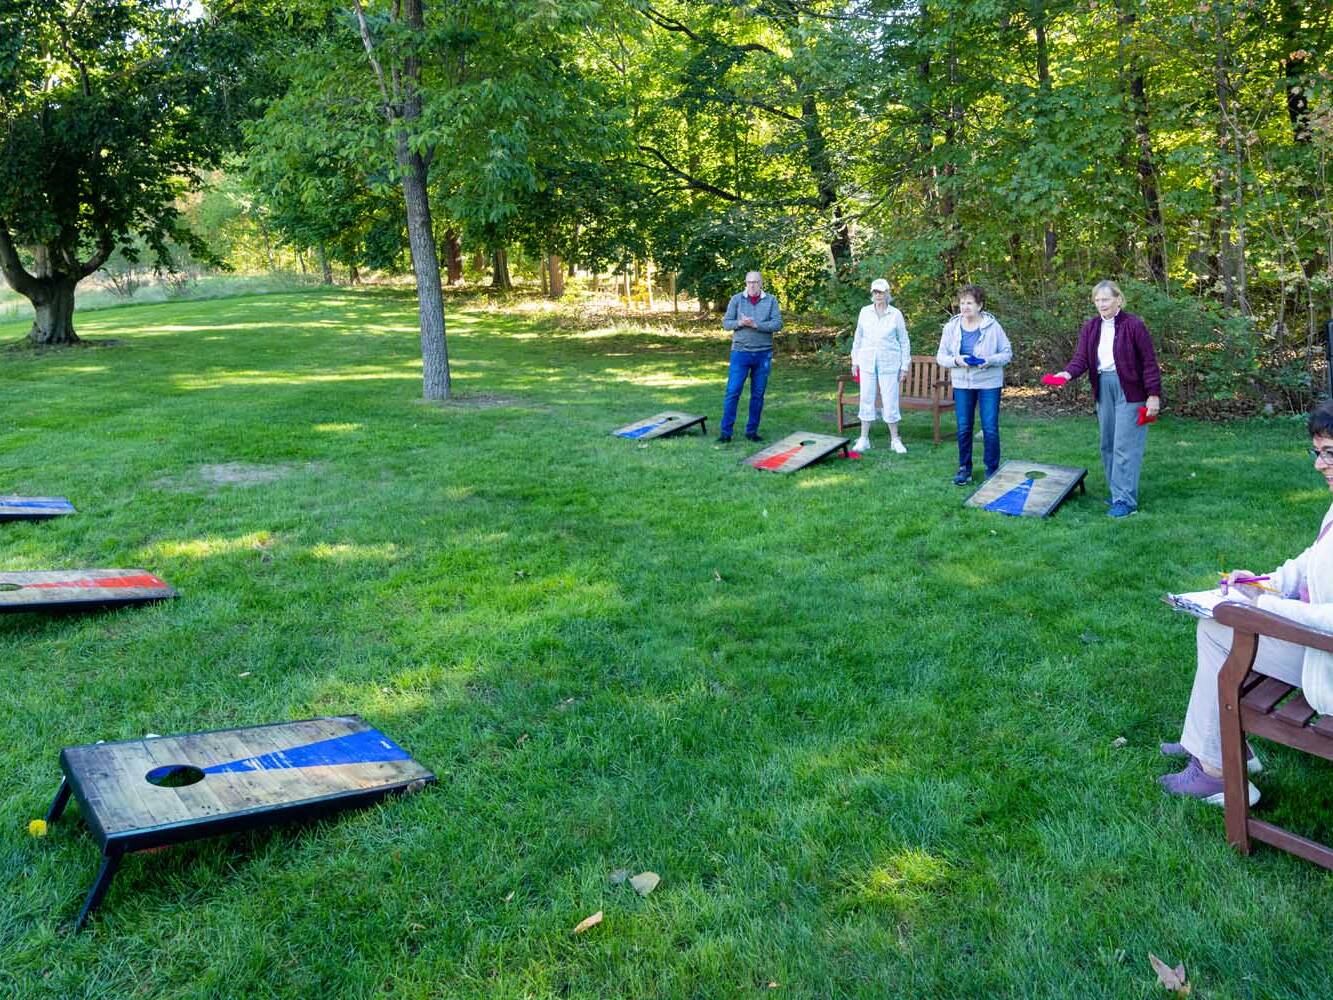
(1248,618)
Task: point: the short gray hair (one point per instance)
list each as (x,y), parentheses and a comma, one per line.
(1109,286)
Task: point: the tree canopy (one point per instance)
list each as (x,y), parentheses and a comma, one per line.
(109,109)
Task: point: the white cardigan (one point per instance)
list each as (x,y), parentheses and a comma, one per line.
(1314,569)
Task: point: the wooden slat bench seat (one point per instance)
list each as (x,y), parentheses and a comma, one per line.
(1252,704)
(927,388)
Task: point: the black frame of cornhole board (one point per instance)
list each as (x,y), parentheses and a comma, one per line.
(1078,481)
(792,440)
(114,848)
(34,515)
(92,603)
(664,431)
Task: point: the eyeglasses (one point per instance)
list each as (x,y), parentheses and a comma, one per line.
(1325,453)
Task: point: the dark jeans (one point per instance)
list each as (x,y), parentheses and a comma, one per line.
(756,365)
(966,402)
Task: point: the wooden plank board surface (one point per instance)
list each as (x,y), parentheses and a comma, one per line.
(15,508)
(1027,489)
(796,451)
(46,590)
(659,425)
(259,772)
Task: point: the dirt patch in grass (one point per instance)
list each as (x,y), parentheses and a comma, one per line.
(481,401)
(26,346)
(241,474)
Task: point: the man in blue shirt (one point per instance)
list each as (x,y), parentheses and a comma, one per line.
(753,317)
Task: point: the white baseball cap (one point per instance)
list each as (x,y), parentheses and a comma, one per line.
(879,285)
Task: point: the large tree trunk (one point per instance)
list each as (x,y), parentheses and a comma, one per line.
(426,269)
(54,306)
(500,280)
(557,272)
(453,256)
(1146,164)
(820,164)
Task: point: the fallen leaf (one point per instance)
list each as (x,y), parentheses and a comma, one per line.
(772,985)
(244,673)
(1090,637)
(1119,742)
(587,922)
(645,882)
(520,573)
(510,897)
(717,577)
(414,786)
(619,876)
(1171,979)
(521,740)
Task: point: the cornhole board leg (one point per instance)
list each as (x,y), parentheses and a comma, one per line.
(59,802)
(110,862)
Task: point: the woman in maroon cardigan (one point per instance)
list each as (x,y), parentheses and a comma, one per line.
(1116,351)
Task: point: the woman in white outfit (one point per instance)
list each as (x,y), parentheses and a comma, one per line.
(883,354)
(1304,593)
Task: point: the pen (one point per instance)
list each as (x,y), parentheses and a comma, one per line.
(1249,581)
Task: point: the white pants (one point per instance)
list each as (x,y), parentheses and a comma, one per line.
(1202,735)
(888,393)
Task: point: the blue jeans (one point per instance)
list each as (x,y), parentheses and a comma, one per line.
(755,365)
(965,404)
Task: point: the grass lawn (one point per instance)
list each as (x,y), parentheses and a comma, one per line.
(865,736)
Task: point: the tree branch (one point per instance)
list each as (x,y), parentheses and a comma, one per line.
(374,62)
(693,182)
(105,245)
(15,273)
(671,24)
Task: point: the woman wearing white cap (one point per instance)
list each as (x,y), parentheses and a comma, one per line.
(883,354)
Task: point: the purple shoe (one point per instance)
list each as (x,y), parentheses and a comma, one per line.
(1198,784)
(1178,750)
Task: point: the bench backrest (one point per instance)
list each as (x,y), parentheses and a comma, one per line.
(926,379)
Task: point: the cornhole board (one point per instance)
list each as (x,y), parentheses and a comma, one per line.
(140,794)
(796,451)
(661,425)
(56,590)
(1028,489)
(33,508)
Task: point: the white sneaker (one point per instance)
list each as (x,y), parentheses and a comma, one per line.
(900,448)
(862,445)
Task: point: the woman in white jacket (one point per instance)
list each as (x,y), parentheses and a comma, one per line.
(883,354)
(974,350)
(1304,593)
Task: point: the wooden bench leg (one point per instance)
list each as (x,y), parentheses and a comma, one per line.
(1235,776)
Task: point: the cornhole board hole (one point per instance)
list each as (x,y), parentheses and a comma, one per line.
(796,451)
(140,794)
(59,590)
(661,425)
(1028,489)
(33,508)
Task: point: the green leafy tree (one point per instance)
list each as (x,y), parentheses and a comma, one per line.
(109,109)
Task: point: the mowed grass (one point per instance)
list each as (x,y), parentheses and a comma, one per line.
(865,736)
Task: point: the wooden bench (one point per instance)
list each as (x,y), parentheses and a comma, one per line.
(927,388)
(1265,706)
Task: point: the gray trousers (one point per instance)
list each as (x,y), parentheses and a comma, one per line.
(1123,439)
(1202,735)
